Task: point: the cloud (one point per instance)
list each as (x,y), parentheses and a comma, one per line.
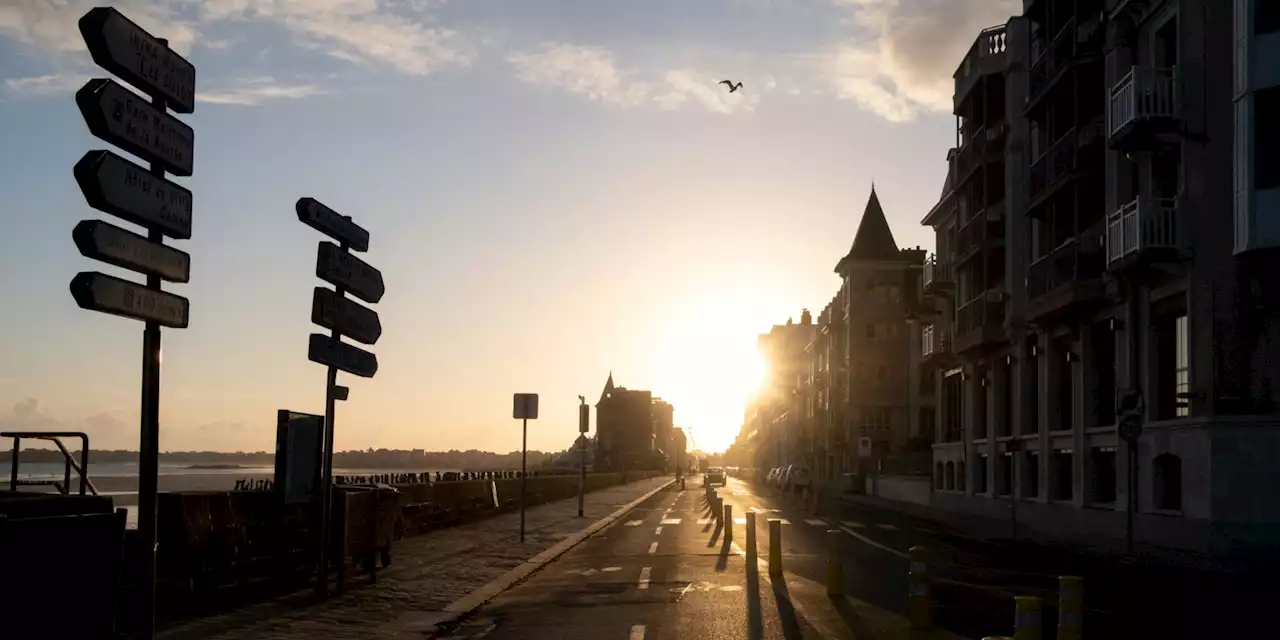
(255,91)
(52,26)
(47,85)
(901,60)
(595,73)
(27,415)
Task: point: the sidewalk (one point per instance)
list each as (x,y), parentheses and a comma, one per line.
(427,574)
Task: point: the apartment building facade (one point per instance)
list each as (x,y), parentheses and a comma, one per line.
(1103,344)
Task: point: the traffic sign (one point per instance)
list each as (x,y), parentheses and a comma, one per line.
(100,292)
(325,350)
(126,50)
(1130,428)
(113,245)
(127,120)
(341,269)
(347,317)
(526,406)
(332,224)
(121,188)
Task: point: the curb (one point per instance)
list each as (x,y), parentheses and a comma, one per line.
(484,594)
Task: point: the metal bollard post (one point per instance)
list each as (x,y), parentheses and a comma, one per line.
(751,537)
(728,523)
(919,598)
(1070,607)
(835,563)
(775,547)
(1026,618)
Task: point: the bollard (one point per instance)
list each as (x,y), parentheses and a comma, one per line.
(751,537)
(1026,618)
(1070,607)
(775,547)
(728,523)
(919,598)
(835,563)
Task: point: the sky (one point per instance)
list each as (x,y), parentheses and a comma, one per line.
(555,190)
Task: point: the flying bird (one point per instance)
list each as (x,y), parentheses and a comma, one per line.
(732,87)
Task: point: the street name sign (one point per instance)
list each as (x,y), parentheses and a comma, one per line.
(332,224)
(113,245)
(347,317)
(121,188)
(100,292)
(126,50)
(125,119)
(327,351)
(341,269)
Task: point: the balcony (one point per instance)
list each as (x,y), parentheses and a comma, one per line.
(1143,109)
(1146,228)
(1074,43)
(983,144)
(1068,277)
(987,55)
(935,345)
(980,321)
(984,229)
(937,276)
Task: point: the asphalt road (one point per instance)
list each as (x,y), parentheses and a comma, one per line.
(665,571)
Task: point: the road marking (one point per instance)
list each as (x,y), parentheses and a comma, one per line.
(653,547)
(816,522)
(611,569)
(589,572)
(887,527)
(658,531)
(635,523)
(873,542)
(850,523)
(704,520)
(739,520)
(784,521)
(671,521)
(644,577)
(637,632)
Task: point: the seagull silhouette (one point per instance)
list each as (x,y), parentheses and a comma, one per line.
(732,87)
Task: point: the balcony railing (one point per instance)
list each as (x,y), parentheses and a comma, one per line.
(1052,165)
(986,310)
(1144,223)
(1144,93)
(1055,56)
(1077,259)
(936,273)
(933,342)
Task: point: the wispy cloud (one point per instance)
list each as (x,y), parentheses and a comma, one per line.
(900,60)
(52,25)
(255,91)
(594,73)
(47,85)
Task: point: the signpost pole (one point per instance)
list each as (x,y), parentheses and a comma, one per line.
(524,473)
(326,472)
(582,453)
(149,439)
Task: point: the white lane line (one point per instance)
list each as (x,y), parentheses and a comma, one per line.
(634,523)
(704,520)
(873,542)
(589,572)
(816,522)
(653,547)
(887,527)
(851,523)
(637,632)
(671,521)
(657,531)
(644,577)
(611,569)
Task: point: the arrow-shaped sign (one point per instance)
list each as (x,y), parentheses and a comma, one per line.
(125,119)
(347,317)
(325,350)
(332,224)
(341,269)
(100,292)
(126,50)
(113,245)
(121,188)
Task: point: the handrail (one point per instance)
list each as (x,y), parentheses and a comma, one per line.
(81,468)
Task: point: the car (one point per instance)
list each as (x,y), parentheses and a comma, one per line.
(772,478)
(798,478)
(715,475)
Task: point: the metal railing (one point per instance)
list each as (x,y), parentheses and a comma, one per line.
(1143,93)
(933,341)
(1053,164)
(936,272)
(1079,258)
(1142,224)
(985,310)
(81,468)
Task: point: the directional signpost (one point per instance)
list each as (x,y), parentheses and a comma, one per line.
(142,126)
(524,409)
(331,309)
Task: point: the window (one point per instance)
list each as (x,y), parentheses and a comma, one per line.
(1266,139)
(1167,469)
(877,417)
(1031,474)
(952,409)
(1172,367)
(950,476)
(1004,474)
(1062,475)
(1006,387)
(1031,389)
(927,380)
(980,406)
(1063,419)
(938,475)
(1266,17)
(1102,343)
(980,474)
(1102,474)
(1182,369)
(927,420)
(960,477)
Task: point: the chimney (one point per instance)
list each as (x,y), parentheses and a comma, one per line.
(805,318)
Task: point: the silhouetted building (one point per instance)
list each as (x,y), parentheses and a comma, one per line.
(625,429)
(663,416)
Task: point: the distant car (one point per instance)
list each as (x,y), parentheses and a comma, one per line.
(771,477)
(715,475)
(798,478)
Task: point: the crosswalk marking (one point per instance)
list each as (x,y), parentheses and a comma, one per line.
(657,531)
(653,547)
(637,632)
(851,523)
(644,577)
(635,523)
(704,520)
(739,520)
(887,527)
(671,521)
(589,572)
(815,522)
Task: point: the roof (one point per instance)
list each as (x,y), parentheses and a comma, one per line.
(873,241)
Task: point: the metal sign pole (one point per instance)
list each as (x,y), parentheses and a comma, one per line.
(524,473)
(326,472)
(149,438)
(582,453)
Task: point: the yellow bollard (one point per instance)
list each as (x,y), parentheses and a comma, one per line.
(751,537)
(728,523)
(775,547)
(835,563)
(1070,607)
(919,598)
(1026,618)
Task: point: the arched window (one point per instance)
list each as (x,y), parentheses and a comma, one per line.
(1168,482)
(937,475)
(950,476)
(960,478)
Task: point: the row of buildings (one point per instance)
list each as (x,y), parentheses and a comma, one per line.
(1095,340)
(635,430)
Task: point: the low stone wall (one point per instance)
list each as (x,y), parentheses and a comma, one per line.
(912,489)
